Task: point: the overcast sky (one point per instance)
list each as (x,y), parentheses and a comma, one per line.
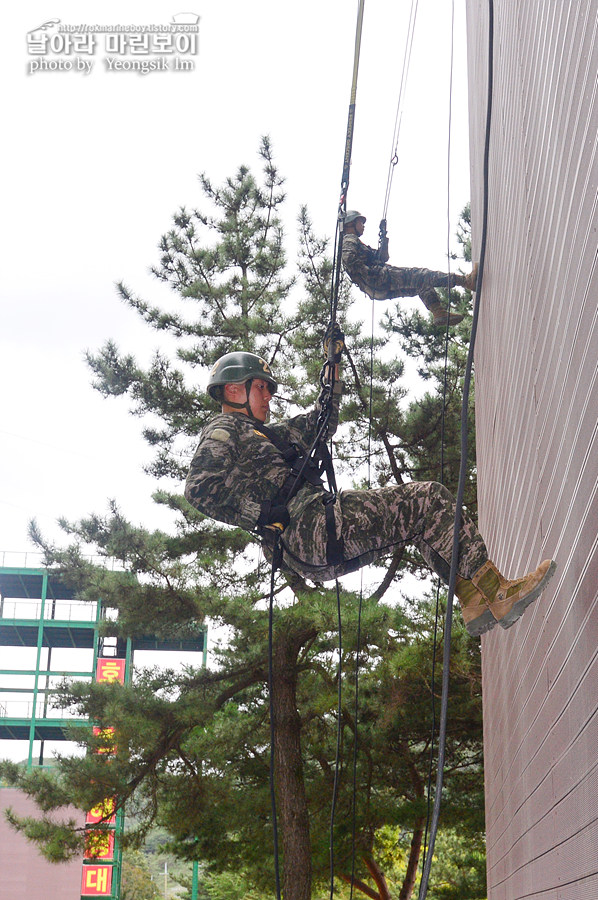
(95,164)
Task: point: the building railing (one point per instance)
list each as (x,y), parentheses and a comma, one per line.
(34,559)
(24,709)
(62,610)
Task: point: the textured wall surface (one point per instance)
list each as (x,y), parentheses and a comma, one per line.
(24,872)
(537,437)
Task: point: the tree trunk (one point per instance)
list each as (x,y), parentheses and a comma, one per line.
(378,876)
(418,828)
(415,849)
(293,815)
(361,886)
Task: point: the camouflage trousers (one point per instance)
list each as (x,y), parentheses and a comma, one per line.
(384,282)
(373,522)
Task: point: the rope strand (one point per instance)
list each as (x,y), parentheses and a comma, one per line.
(463,466)
(399,113)
(442,454)
(275,560)
(335,288)
(342,206)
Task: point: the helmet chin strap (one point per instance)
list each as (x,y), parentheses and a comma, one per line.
(245,405)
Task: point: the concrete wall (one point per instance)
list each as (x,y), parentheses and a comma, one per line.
(536,381)
(24,873)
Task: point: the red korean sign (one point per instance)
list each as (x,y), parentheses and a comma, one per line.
(96,881)
(106,735)
(111,670)
(104,812)
(99,844)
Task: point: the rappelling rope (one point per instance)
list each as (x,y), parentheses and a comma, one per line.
(463,466)
(321,426)
(342,206)
(276,561)
(442,447)
(359,611)
(394,158)
(334,293)
(272,727)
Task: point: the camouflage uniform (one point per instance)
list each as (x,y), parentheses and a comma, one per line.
(236,468)
(381,281)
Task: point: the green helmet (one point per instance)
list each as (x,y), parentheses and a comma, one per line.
(237,368)
(351,215)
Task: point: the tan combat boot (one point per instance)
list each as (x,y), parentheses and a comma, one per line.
(439,312)
(470,281)
(476,613)
(491,596)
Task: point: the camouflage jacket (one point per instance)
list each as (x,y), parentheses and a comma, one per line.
(236,467)
(356,254)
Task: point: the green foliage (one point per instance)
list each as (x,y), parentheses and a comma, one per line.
(459,866)
(193,745)
(459,871)
(232,886)
(136,879)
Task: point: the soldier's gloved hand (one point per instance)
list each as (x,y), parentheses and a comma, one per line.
(273,517)
(382,253)
(334,336)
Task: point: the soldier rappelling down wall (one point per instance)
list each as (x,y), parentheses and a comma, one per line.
(368,269)
(244,473)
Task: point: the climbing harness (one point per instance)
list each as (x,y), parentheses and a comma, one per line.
(308,468)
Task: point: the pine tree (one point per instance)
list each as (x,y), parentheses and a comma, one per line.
(193,746)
